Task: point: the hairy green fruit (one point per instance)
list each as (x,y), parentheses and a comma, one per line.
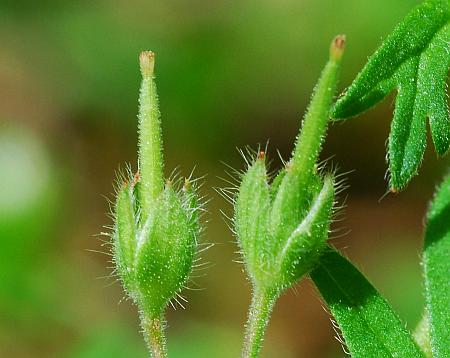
(282,226)
(156,226)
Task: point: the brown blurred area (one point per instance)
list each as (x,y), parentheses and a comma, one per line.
(229,74)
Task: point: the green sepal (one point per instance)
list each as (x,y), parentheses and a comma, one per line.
(252,219)
(276,182)
(125,236)
(304,246)
(415,59)
(165,251)
(291,205)
(436,264)
(191,206)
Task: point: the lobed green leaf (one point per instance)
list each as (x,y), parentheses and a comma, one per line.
(436,264)
(415,60)
(369,326)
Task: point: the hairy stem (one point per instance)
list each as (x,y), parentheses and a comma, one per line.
(154,335)
(258,317)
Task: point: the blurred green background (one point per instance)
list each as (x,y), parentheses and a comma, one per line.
(230,73)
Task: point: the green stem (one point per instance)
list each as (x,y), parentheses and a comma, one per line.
(154,335)
(258,317)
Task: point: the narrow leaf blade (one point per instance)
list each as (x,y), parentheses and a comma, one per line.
(369,325)
(407,140)
(422,83)
(436,263)
(432,83)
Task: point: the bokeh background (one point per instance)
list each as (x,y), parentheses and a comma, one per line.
(230,74)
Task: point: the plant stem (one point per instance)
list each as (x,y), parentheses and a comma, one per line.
(258,317)
(154,335)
